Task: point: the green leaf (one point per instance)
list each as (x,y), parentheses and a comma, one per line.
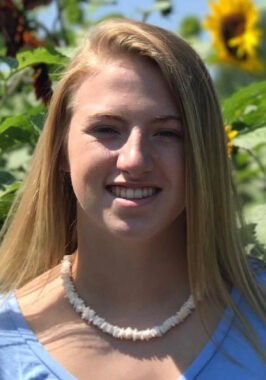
(212,57)
(72,11)
(68,51)
(2,45)
(257,215)
(46,55)
(6,200)
(17,130)
(38,120)
(251,139)
(5,179)
(247,105)
(247,174)
(161,5)
(190,26)
(20,121)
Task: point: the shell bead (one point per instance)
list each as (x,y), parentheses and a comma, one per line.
(128,333)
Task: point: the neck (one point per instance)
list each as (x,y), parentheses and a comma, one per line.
(116,277)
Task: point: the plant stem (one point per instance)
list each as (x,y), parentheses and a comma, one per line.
(145,16)
(61,21)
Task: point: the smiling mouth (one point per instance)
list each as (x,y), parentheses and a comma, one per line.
(132,193)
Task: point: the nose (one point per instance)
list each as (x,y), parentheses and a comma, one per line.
(134,156)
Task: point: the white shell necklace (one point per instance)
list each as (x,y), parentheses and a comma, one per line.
(89,315)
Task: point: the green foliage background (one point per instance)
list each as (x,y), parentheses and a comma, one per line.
(243,98)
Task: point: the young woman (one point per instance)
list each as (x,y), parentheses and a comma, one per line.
(131,182)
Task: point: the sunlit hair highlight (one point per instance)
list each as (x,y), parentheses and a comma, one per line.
(41,226)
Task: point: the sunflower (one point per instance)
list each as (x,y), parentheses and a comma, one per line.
(232,24)
(230,134)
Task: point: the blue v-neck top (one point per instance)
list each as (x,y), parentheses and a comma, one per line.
(23,357)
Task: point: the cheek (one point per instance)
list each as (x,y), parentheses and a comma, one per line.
(177,176)
(175,164)
(89,164)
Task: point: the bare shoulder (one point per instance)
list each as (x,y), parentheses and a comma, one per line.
(40,293)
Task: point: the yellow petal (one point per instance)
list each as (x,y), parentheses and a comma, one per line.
(240,49)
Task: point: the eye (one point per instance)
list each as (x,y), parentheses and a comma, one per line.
(105,130)
(169,133)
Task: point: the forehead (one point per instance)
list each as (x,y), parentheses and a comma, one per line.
(125,82)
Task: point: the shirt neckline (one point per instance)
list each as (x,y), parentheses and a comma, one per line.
(214,343)
(34,344)
(197,365)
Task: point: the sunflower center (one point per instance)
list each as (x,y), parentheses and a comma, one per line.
(233,26)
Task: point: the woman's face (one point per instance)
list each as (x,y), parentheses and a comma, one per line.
(126,151)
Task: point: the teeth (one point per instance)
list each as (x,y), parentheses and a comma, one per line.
(145,192)
(138,193)
(122,191)
(128,193)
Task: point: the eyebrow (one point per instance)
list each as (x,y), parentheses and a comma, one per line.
(165,118)
(158,118)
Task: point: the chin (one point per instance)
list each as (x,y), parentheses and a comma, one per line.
(134,232)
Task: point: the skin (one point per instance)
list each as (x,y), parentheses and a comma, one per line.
(130,265)
(122,242)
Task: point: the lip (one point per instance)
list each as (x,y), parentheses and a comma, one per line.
(133,185)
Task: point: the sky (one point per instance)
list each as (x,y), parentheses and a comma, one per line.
(129,8)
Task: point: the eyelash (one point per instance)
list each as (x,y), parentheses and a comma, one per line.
(108,130)
(111,130)
(170,133)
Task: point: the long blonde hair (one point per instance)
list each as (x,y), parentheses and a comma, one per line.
(41,226)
